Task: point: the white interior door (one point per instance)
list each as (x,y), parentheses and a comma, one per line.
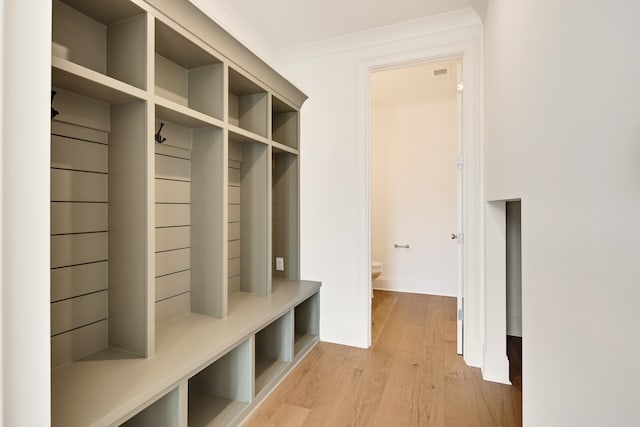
(459,235)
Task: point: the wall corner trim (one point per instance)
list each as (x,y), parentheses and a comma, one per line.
(495,368)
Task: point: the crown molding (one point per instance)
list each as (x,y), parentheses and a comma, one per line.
(463,18)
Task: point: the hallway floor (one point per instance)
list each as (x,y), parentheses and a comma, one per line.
(410,376)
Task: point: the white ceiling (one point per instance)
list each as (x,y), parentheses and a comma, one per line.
(285,23)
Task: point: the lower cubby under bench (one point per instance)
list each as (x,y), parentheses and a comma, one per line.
(205,371)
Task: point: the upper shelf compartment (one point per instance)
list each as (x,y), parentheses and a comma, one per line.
(284,123)
(186,73)
(106,37)
(247,104)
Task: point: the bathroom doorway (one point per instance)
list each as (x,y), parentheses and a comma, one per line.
(416,185)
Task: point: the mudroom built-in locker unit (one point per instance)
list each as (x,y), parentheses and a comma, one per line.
(176,297)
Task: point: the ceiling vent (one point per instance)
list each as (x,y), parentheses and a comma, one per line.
(441,74)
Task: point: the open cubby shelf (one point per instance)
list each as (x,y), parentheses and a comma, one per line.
(186,73)
(248,201)
(108,38)
(98,228)
(285,214)
(220,392)
(305,329)
(247,104)
(174,189)
(189,181)
(272,351)
(284,123)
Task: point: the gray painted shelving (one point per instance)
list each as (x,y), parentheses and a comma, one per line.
(166,306)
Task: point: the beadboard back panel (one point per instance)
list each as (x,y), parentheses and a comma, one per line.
(79,228)
(173,234)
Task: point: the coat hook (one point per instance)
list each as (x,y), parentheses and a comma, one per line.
(54,112)
(159,138)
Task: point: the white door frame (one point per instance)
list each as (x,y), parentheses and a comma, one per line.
(455,164)
(459,205)
(470,50)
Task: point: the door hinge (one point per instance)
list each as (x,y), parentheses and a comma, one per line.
(460,87)
(460,162)
(460,314)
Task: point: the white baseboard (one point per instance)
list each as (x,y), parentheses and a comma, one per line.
(354,335)
(472,351)
(427,287)
(495,367)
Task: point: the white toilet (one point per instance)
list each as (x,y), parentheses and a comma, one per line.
(376,270)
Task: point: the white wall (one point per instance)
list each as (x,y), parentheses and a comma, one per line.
(334,163)
(563,133)
(330,215)
(413,174)
(25,93)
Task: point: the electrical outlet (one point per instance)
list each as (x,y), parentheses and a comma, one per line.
(279,264)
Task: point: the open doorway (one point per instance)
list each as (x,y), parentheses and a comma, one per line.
(416,181)
(466,47)
(514,293)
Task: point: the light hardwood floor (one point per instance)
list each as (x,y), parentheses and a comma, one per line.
(410,376)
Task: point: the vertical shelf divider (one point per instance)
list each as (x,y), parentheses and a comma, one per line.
(269,257)
(130,328)
(225,92)
(269,215)
(150,181)
(183,418)
(208,223)
(225,188)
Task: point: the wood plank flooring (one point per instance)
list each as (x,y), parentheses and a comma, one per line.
(410,376)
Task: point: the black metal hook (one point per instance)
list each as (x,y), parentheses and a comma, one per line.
(54,112)
(159,138)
